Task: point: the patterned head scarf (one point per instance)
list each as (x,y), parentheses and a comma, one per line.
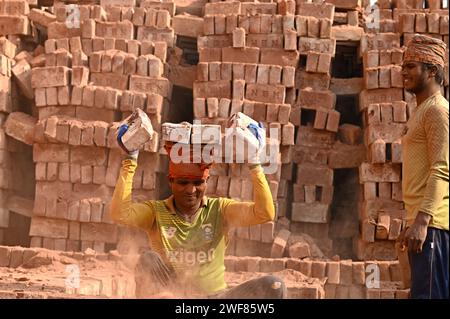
(191,171)
(425,49)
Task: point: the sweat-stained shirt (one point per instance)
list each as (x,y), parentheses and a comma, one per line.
(425,162)
(195,250)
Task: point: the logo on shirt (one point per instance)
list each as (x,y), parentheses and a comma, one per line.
(170,231)
(207,232)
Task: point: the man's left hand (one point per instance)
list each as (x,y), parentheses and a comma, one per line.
(416,234)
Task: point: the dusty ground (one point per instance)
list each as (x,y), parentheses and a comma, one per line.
(51,274)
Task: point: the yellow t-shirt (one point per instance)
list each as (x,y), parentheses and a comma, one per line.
(195,250)
(425,162)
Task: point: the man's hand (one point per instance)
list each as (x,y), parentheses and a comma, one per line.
(121,131)
(415,236)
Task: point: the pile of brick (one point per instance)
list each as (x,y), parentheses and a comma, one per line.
(247,58)
(7,53)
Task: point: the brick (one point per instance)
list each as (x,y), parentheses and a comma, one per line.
(250,73)
(310,213)
(384,77)
(208,25)
(314,175)
(160,86)
(41,227)
(386,113)
(214,71)
(288,134)
(321,11)
(299,250)
(380,41)
(242,55)
(275,74)
(371,78)
(116,81)
(50,76)
(396,77)
(318,269)
(80,76)
(324,63)
(333,272)
(118,30)
(212,107)
(305,267)
(382,228)
(279,244)
(262,76)
(432,22)
(87,135)
(288,76)
(199,108)
(224,108)
(371,59)
(5,256)
(316,99)
(325,28)
(306,45)
(290,40)
(265,93)
(231,23)
(64,172)
(267,230)
(301,23)
(443,25)
(406,22)
(396,151)
(384,190)
(22,73)
(346,277)
(277,56)
(187,25)
(349,134)
(313,27)
(21,126)
(50,153)
(333,121)
(63,95)
(226,70)
(377,152)
(219,24)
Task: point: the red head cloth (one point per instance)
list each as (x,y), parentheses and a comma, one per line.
(187,170)
(426,50)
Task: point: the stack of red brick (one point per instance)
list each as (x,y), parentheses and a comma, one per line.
(248,53)
(94,72)
(317,120)
(7,53)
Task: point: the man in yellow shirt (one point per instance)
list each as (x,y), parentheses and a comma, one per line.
(188,232)
(425,170)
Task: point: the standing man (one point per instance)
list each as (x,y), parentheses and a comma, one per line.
(425,170)
(188,232)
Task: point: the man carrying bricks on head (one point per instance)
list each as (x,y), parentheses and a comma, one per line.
(425,170)
(188,232)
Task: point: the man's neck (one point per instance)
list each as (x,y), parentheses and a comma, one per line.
(426,93)
(186,211)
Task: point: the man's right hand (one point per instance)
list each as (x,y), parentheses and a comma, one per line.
(120,132)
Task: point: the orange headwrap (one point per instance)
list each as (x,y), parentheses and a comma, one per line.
(187,170)
(425,49)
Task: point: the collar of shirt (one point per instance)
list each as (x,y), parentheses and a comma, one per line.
(171,207)
(437,93)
